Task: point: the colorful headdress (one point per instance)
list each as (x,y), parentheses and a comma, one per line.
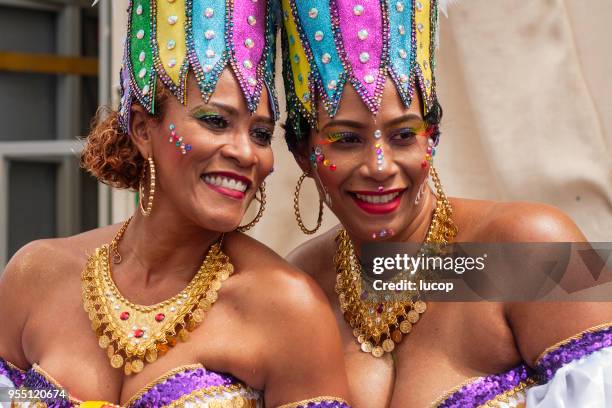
(327,43)
(168,38)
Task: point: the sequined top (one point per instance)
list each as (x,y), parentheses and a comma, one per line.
(516,387)
(191,386)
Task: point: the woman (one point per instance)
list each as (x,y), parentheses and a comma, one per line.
(180,309)
(363,124)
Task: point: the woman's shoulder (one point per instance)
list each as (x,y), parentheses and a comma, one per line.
(514,221)
(266,272)
(39,260)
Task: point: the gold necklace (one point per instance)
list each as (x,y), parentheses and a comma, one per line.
(378,327)
(132,334)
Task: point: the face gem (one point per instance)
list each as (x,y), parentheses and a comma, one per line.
(399,6)
(326,58)
(140,34)
(172,20)
(142,56)
(209,34)
(364,57)
(249,43)
(402,53)
(358,10)
(210,53)
(318,36)
(252,20)
(368,79)
(142,73)
(313,13)
(171,44)
(362,34)
(209,12)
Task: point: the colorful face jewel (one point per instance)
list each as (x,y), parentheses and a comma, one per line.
(431,152)
(178,140)
(379,151)
(384,233)
(317,157)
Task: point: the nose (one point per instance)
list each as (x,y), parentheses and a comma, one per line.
(240,149)
(377,163)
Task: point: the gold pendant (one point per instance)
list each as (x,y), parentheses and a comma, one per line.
(134,334)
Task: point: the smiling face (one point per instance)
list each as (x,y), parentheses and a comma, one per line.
(370,168)
(210,157)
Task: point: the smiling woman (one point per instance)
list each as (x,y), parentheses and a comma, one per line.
(363,122)
(180,308)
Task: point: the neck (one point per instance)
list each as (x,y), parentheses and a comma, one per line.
(417,228)
(164,243)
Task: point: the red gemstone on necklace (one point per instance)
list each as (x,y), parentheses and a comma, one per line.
(159,317)
(138,333)
(124,315)
(379,308)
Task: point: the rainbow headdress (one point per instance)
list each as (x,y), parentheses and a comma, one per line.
(168,38)
(327,43)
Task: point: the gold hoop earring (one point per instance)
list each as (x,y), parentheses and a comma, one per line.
(151,163)
(262,207)
(296,209)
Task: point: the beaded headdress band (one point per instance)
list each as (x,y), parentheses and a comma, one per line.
(168,38)
(327,43)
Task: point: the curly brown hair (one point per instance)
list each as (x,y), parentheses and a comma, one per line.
(109,153)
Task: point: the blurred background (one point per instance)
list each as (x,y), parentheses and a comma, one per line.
(525,88)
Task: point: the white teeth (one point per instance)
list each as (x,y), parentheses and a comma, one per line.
(377,199)
(226,182)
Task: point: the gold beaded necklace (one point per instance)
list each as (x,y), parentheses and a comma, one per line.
(132,334)
(379,326)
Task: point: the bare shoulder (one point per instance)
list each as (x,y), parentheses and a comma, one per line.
(275,281)
(315,255)
(291,316)
(535,325)
(518,221)
(37,270)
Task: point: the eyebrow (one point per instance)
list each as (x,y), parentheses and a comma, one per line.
(402,119)
(343,122)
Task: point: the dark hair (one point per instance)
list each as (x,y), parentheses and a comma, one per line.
(109,153)
(297,127)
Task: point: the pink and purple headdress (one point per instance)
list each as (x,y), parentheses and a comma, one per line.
(329,43)
(166,39)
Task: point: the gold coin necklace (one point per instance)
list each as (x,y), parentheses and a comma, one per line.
(134,334)
(379,326)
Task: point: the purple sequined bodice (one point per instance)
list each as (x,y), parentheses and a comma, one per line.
(515,382)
